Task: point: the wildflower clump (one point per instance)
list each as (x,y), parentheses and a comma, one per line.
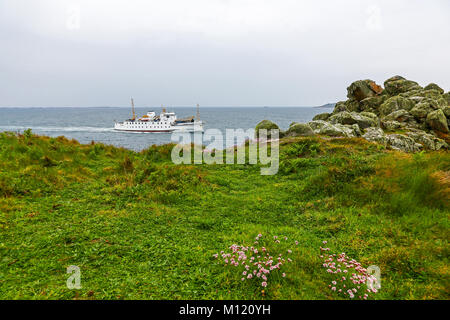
(262,262)
(350,278)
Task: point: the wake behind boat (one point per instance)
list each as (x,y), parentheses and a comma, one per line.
(165,122)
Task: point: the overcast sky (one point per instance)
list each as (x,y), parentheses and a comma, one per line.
(214,52)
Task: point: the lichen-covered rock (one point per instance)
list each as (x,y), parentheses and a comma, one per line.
(391,125)
(423,108)
(370,115)
(362,89)
(351,105)
(316,125)
(333,130)
(398,115)
(330,130)
(437,121)
(416,99)
(398,84)
(433,95)
(396,103)
(372,104)
(322,116)
(375,135)
(434,86)
(446,96)
(338,130)
(429,141)
(356,130)
(265,124)
(446,111)
(349,118)
(299,129)
(439,102)
(403,143)
(339,107)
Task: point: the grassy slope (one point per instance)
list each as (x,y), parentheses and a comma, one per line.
(140,227)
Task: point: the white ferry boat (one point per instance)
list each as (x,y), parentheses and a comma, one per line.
(165,122)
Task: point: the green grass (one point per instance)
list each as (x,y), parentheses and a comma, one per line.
(140,227)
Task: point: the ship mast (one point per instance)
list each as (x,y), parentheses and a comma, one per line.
(198,112)
(132,109)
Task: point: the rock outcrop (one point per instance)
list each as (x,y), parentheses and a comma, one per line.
(402,116)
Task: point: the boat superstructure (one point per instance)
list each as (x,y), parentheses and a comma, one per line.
(164,122)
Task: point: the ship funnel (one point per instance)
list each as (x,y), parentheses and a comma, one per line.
(132,109)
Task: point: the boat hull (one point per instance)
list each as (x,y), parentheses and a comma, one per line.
(149,128)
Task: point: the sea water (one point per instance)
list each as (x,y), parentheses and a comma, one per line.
(96,123)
